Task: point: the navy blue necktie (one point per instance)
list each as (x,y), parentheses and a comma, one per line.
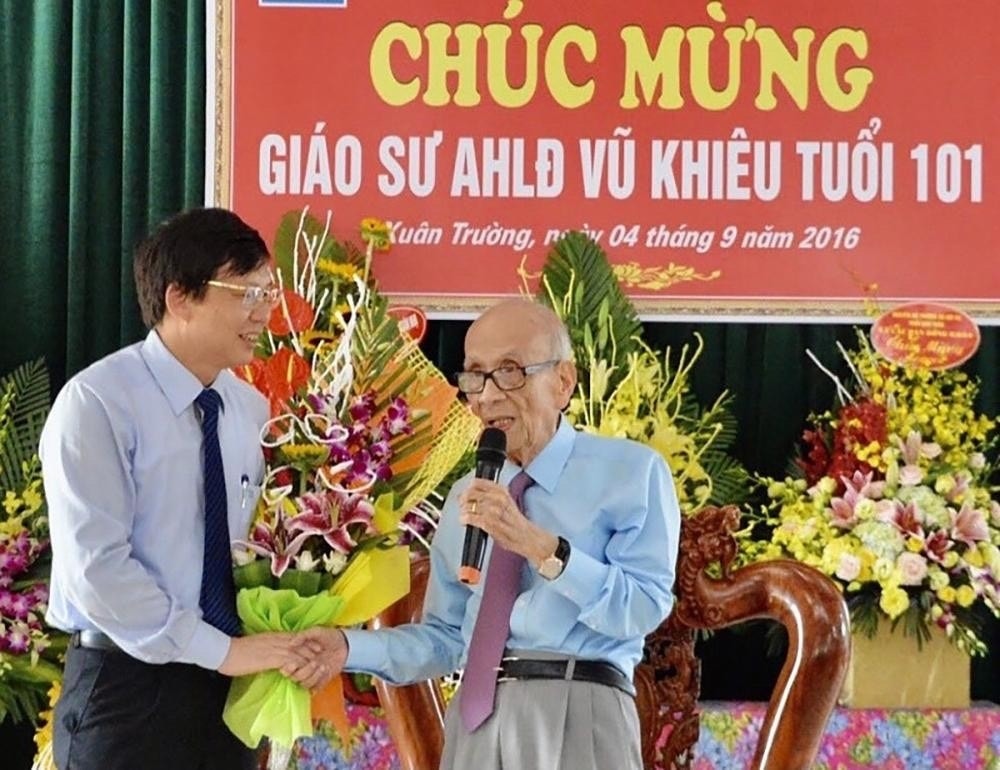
(218,592)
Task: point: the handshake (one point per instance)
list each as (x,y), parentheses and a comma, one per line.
(310,657)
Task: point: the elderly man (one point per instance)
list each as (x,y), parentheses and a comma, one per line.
(584,532)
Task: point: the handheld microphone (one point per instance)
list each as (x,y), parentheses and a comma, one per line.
(490,455)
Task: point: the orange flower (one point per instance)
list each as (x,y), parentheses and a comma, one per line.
(300,312)
(277,378)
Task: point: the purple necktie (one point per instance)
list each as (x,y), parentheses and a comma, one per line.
(489,636)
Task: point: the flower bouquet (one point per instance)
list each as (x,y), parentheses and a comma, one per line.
(362,430)
(29,652)
(626,389)
(894,504)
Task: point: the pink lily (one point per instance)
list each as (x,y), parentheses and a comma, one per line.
(264,543)
(969,525)
(859,487)
(318,518)
(913,449)
(908,519)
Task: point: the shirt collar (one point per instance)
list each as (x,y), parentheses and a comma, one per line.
(548,464)
(175,380)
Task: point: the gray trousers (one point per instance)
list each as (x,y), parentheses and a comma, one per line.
(548,724)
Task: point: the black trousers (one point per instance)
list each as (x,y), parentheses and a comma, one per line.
(117,713)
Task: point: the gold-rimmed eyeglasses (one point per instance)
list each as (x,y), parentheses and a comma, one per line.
(506,377)
(253,296)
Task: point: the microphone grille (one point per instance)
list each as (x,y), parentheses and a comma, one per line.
(492,443)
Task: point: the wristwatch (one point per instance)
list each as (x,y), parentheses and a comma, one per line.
(554,565)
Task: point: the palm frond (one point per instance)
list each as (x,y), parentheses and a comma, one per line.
(376,341)
(730,480)
(580,285)
(24,404)
(24,686)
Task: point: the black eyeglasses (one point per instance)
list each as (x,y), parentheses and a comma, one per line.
(506,377)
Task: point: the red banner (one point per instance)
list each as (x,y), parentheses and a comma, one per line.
(733,158)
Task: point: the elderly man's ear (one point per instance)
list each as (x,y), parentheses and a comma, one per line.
(567,381)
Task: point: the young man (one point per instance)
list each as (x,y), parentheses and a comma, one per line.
(150,459)
(583,547)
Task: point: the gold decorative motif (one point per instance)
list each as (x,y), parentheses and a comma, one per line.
(632,275)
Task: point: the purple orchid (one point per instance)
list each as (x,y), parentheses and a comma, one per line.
(17,638)
(396,421)
(362,408)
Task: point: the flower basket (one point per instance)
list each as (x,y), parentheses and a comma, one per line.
(896,506)
(889,671)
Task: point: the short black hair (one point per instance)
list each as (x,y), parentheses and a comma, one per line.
(188,250)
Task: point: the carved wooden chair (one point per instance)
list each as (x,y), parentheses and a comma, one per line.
(804,601)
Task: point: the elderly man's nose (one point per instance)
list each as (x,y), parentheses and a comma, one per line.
(491,390)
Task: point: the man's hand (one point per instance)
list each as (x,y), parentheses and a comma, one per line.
(321,654)
(490,507)
(261,652)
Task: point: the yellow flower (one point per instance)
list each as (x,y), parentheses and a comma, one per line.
(973,557)
(965,596)
(914,545)
(32,499)
(894,601)
(11,502)
(944,484)
(43,736)
(304,453)
(883,569)
(950,559)
(938,578)
(343,270)
(991,556)
(947,594)
(376,232)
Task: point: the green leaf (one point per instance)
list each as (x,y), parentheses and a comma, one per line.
(579,283)
(286,250)
(253,574)
(303,583)
(25,405)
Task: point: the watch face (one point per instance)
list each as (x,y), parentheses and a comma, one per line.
(551,568)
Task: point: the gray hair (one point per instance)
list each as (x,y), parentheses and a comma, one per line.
(559,340)
(562,346)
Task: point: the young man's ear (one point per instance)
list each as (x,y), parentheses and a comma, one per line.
(178,302)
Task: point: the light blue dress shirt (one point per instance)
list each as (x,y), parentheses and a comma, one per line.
(614,501)
(122,467)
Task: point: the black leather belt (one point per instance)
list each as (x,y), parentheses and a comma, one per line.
(94,640)
(579,670)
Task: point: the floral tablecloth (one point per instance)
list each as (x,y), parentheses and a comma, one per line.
(912,739)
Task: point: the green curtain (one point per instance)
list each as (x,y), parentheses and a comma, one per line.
(102,115)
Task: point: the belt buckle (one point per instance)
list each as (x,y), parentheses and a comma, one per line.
(500,669)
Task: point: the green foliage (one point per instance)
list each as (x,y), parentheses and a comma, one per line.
(24,685)
(24,404)
(579,284)
(626,389)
